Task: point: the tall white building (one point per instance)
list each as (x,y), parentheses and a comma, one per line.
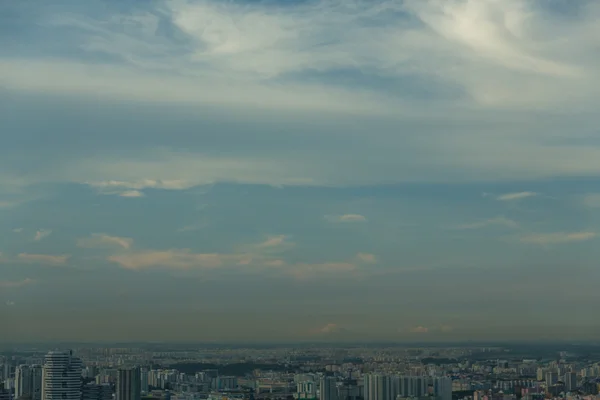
(61,377)
(328,388)
(28,381)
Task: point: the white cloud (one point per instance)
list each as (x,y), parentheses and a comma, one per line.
(367,258)
(592,200)
(10,303)
(516,196)
(497,221)
(132,193)
(273,241)
(331,328)
(419,329)
(557,237)
(41,234)
(43,259)
(102,240)
(346,218)
(18,230)
(177,259)
(480,66)
(15,284)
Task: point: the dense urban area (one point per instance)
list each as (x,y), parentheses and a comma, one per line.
(161,372)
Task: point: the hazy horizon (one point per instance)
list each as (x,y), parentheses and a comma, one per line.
(398,170)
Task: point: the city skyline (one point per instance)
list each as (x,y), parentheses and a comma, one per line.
(342,170)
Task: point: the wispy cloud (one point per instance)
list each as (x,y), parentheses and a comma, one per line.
(42,259)
(176,258)
(557,237)
(132,193)
(15,284)
(367,258)
(419,329)
(346,218)
(18,230)
(41,234)
(516,196)
(592,200)
(103,240)
(134,188)
(497,221)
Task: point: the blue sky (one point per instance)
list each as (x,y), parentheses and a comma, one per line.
(275,170)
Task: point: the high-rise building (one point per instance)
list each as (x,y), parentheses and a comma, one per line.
(4,394)
(570,381)
(129,385)
(144,385)
(328,388)
(551,378)
(28,382)
(93,391)
(61,376)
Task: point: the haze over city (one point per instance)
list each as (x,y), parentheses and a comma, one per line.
(299,171)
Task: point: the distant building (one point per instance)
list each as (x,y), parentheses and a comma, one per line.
(570,380)
(93,391)
(61,376)
(28,382)
(129,384)
(328,388)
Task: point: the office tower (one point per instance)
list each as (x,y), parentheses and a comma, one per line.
(226,382)
(129,384)
(23,382)
(380,387)
(306,390)
(61,376)
(328,388)
(570,381)
(144,386)
(551,378)
(93,391)
(442,387)
(28,381)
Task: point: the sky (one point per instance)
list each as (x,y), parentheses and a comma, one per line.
(299,170)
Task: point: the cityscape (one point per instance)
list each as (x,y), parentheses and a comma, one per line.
(307,372)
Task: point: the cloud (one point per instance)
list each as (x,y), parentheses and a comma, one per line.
(18,230)
(134,188)
(15,284)
(516,196)
(497,221)
(592,200)
(132,193)
(103,240)
(176,258)
(41,234)
(331,328)
(346,218)
(304,271)
(273,241)
(43,259)
(367,258)
(419,329)
(10,303)
(557,237)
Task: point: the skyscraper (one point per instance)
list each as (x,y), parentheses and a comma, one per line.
(61,376)
(570,381)
(129,384)
(328,388)
(93,391)
(28,382)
